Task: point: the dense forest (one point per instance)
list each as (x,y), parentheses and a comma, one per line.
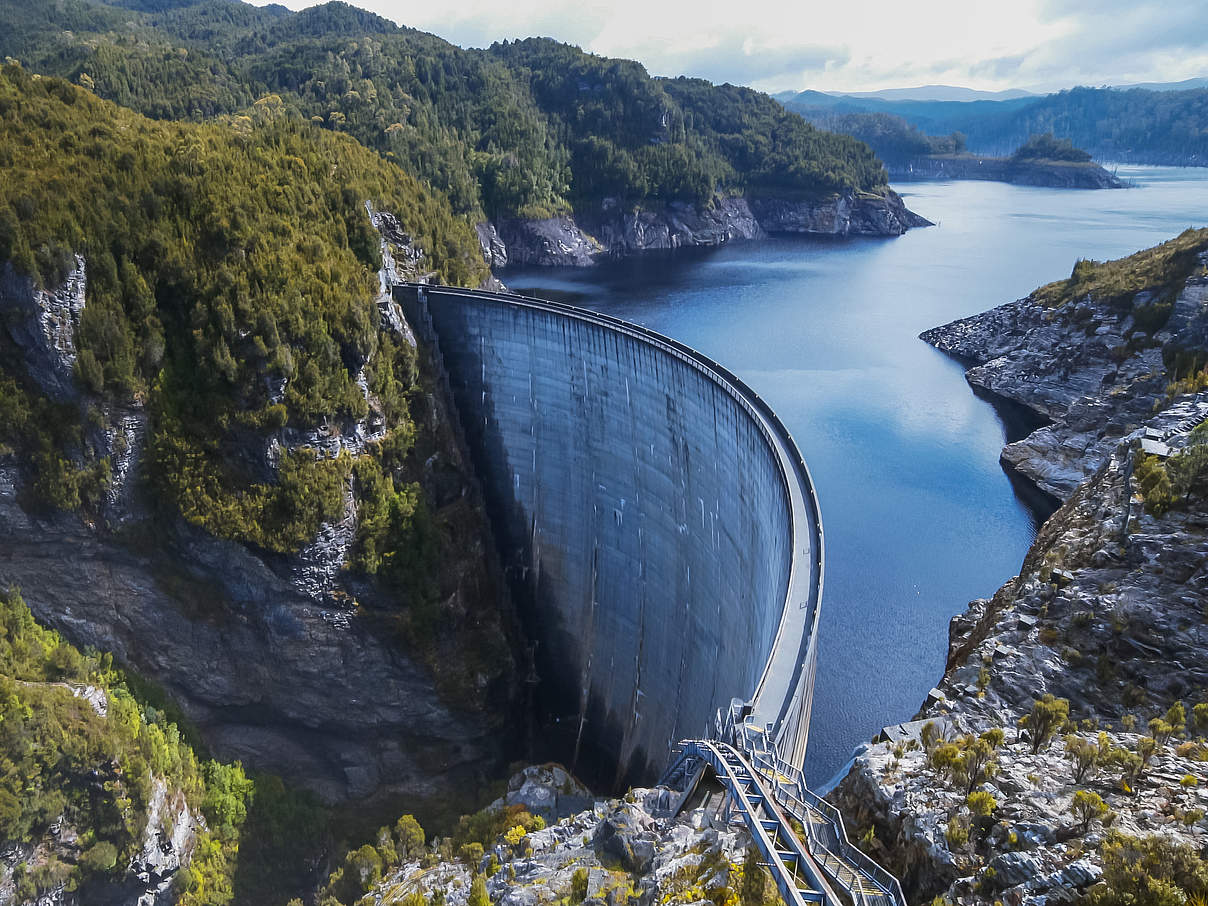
(892,138)
(223,260)
(1124,125)
(526,128)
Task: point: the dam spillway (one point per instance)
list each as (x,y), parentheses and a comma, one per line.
(658,524)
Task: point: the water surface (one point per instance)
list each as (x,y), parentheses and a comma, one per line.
(920,517)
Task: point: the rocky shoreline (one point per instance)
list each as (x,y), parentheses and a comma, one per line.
(1047,174)
(588,237)
(1107,616)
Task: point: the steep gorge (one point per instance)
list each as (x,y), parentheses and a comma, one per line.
(161,522)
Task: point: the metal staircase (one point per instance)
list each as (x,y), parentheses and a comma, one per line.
(800,835)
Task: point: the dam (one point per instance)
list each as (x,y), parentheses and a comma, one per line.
(663,540)
(658,524)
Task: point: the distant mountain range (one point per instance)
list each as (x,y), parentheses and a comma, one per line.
(925,93)
(961,94)
(1154,123)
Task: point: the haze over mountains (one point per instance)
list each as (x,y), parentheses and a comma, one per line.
(1159,123)
(961,93)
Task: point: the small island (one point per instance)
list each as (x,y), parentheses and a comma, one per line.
(909,153)
(1041,161)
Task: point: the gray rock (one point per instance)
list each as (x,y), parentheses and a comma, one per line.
(43,322)
(1015,868)
(625,834)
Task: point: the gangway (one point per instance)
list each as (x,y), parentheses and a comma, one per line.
(800,835)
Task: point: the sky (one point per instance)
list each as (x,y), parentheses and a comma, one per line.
(849,45)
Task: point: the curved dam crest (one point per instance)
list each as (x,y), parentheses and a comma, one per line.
(657,523)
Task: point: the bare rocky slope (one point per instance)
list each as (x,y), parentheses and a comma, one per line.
(1107,616)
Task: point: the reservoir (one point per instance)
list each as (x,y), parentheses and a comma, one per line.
(920,517)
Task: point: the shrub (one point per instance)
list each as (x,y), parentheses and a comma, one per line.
(1048,716)
(100,857)
(478,893)
(578,885)
(981,803)
(1148,871)
(1199,716)
(410,837)
(957,832)
(1088,807)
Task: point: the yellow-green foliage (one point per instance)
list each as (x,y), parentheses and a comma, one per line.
(1161,268)
(1149,871)
(981,803)
(1046,719)
(520,129)
(487,826)
(221,258)
(968,760)
(1165,484)
(59,759)
(1088,806)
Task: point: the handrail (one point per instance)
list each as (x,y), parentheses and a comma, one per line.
(786,879)
(796,793)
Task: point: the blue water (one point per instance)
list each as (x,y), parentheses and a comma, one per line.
(919,516)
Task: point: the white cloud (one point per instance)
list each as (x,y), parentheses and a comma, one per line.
(859,45)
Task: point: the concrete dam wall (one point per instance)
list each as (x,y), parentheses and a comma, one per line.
(657,522)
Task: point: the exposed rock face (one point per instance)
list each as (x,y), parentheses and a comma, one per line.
(578,242)
(42,322)
(314,692)
(553,242)
(290,663)
(494,251)
(1049,174)
(1112,623)
(625,853)
(1086,366)
(546,790)
(679,225)
(851,214)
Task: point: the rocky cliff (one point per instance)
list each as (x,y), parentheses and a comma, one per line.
(293,663)
(1094,365)
(580,241)
(1065,739)
(1048,174)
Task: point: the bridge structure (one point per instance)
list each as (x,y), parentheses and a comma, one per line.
(664,543)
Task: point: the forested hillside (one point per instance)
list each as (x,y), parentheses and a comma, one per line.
(193,345)
(525,128)
(222,260)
